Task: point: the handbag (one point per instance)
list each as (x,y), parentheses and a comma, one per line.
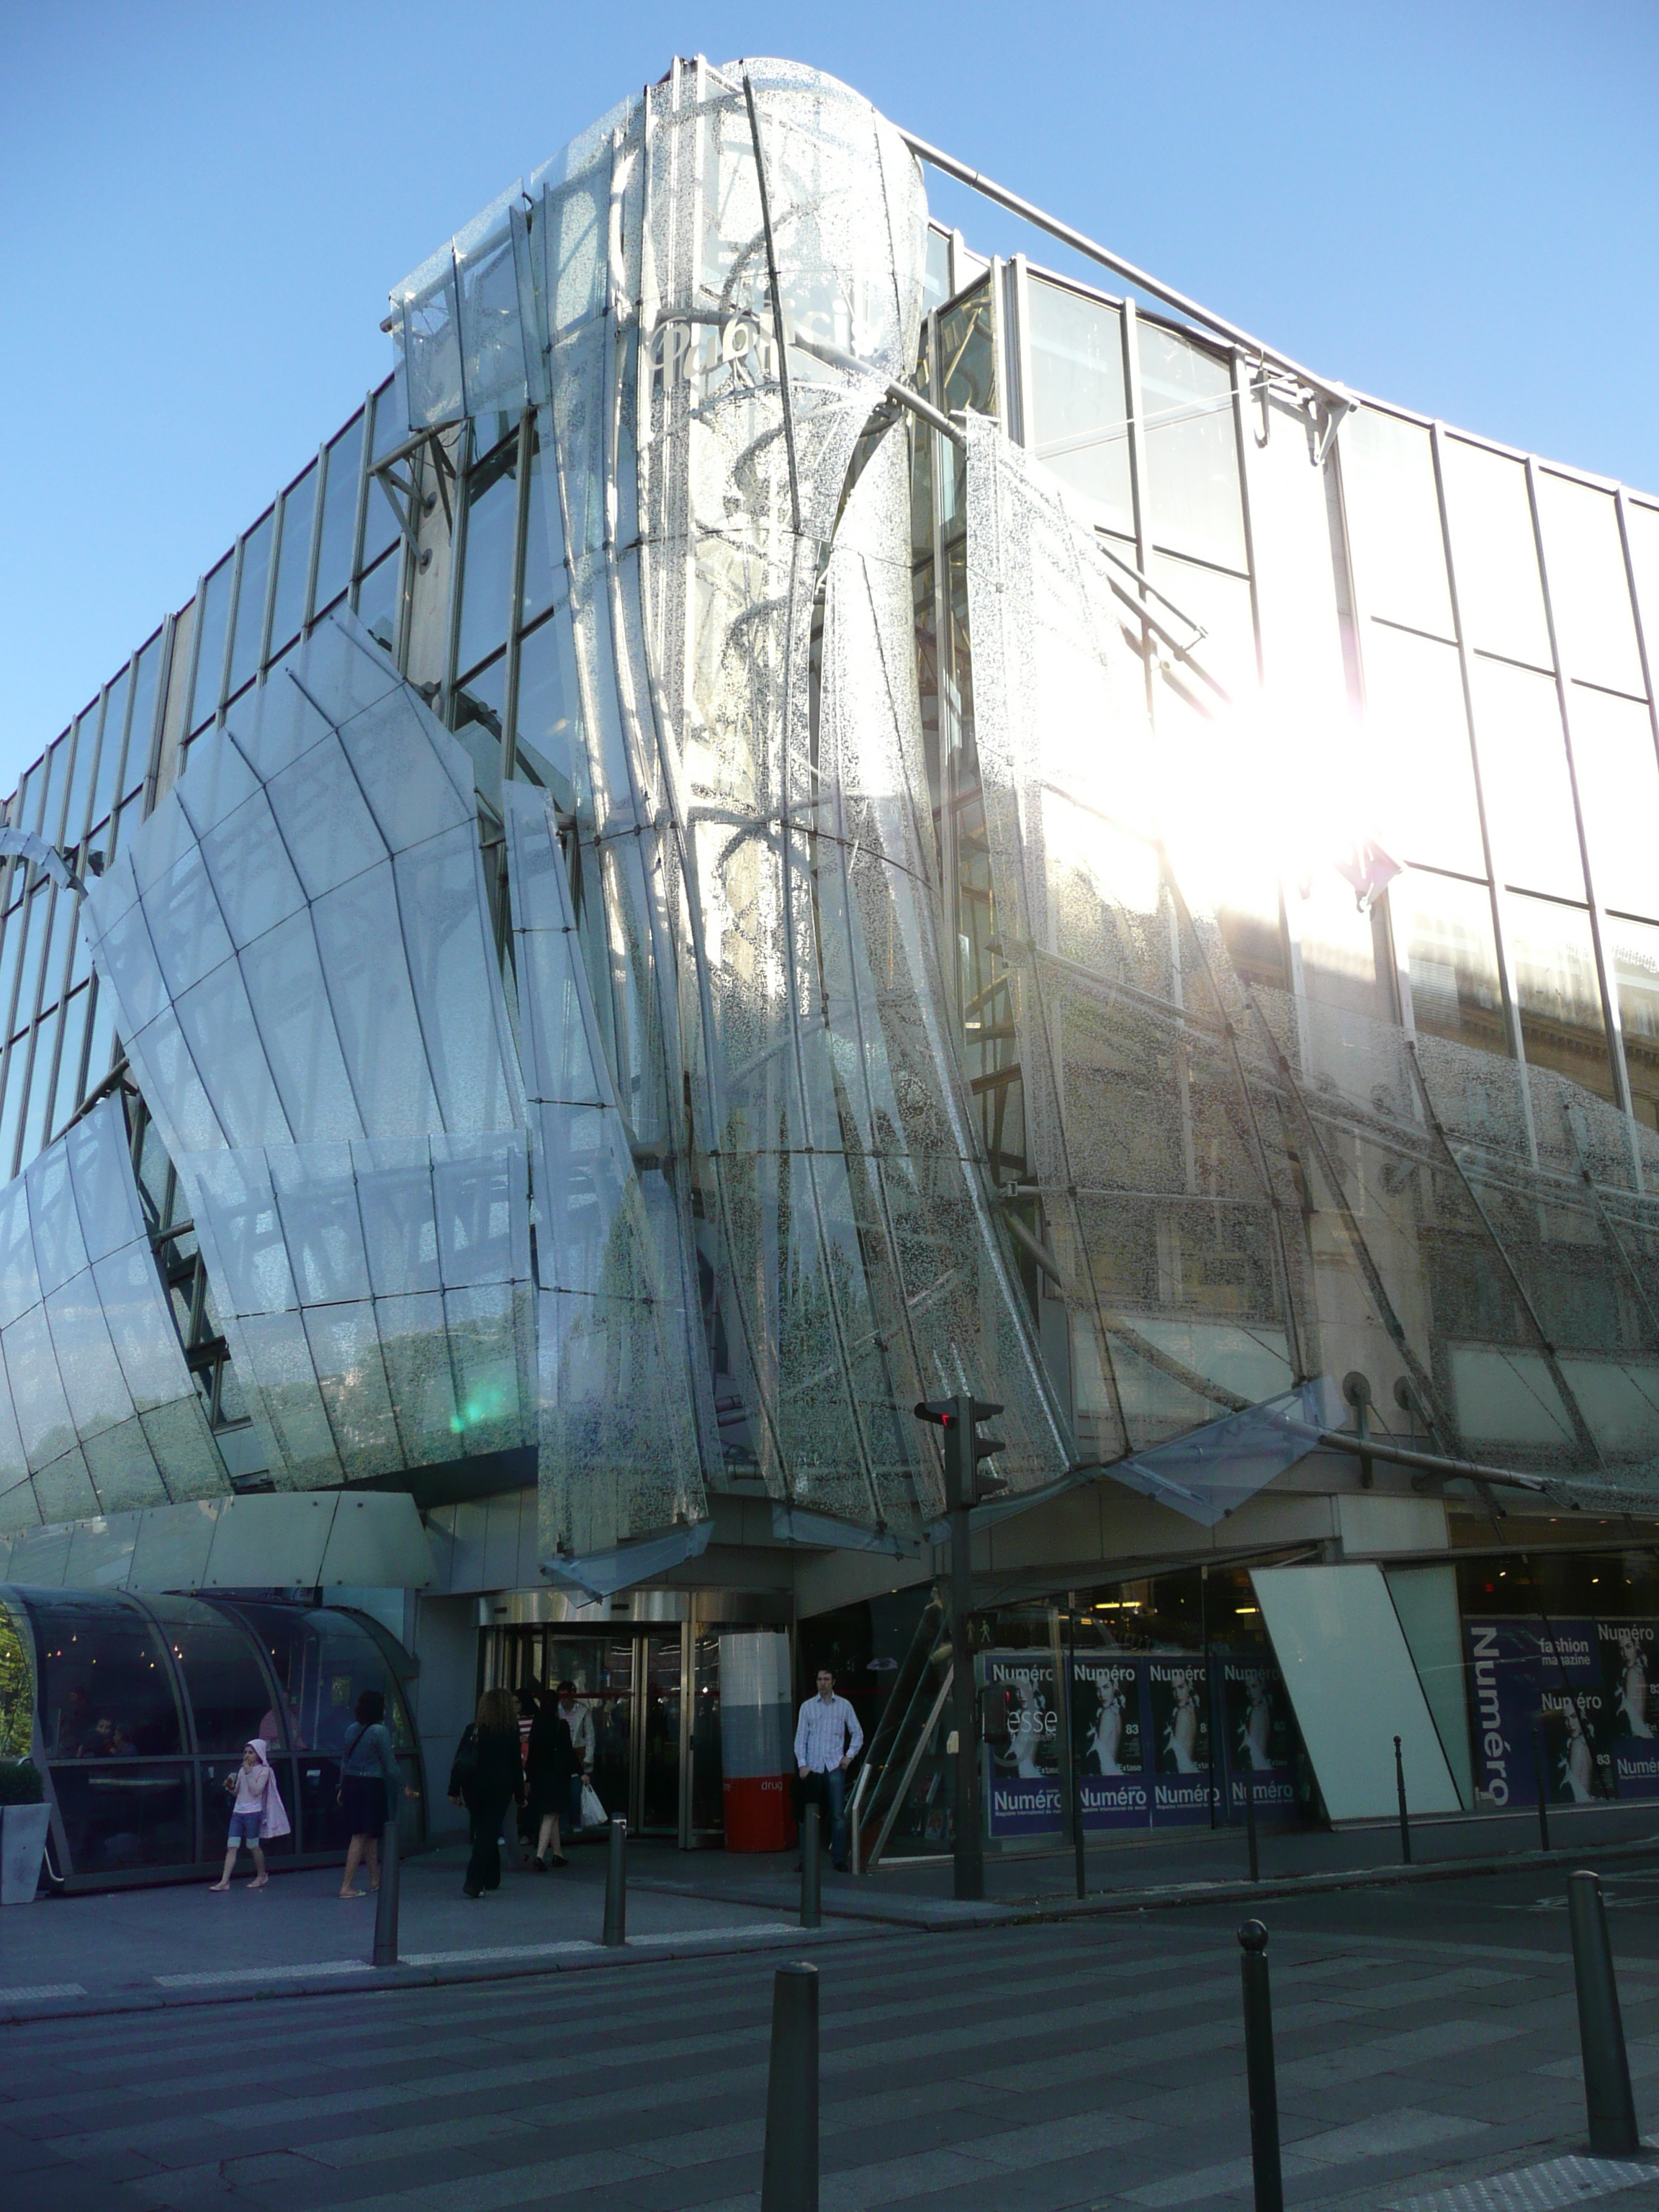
(465,1766)
(593,1814)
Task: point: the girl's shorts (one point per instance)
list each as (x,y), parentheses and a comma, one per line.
(244,1828)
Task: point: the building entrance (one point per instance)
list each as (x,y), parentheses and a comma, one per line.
(654,1697)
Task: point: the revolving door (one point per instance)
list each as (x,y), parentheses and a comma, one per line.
(654,1696)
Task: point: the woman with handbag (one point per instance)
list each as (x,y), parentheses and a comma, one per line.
(487,1776)
(549,1767)
(370,1778)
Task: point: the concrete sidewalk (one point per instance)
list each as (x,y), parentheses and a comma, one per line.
(184,1944)
(1171,1867)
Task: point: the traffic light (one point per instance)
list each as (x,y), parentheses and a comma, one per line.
(964,1485)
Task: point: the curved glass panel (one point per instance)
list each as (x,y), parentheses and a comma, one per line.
(229,1697)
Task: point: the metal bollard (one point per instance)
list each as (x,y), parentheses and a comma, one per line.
(1259,2069)
(1541,1758)
(616,1887)
(811,1870)
(1249,1823)
(1601,2031)
(386,1901)
(789,2171)
(1405,1817)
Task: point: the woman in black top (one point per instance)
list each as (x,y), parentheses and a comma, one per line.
(549,1767)
(487,1776)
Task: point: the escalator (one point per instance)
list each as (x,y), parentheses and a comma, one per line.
(902,1803)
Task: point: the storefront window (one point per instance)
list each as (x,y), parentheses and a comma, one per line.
(229,1698)
(105,1685)
(324,1660)
(111,1715)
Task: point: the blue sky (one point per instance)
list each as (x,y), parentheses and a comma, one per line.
(1453,206)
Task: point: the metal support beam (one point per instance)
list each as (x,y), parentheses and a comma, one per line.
(1336,395)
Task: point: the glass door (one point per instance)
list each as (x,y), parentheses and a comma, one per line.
(661,1704)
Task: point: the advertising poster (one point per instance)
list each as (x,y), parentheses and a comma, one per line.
(1630,1689)
(1022,1744)
(1526,1680)
(1109,1743)
(1179,1705)
(1259,1738)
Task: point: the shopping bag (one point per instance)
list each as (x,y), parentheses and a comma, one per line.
(593,1814)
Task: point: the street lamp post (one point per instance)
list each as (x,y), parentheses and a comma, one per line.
(964,1488)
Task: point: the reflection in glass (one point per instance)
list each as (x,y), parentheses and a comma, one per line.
(141,721)
(487,574)
(968,354)
(1632,949)
(1553,958)
(548,706)
(1524,776)
(1619,790)
(224,1683)
(1192,451)
(1392,512)
(1499,592)
(107,1690)
(1444,926)
(544,571)
(339,513)
(377,601)
(16,1682)
(1589,592)
(214,608)
(73,821)
(107,779)
(1078,413)
(1419,742)
(250,605)
(294,560)
(479,702)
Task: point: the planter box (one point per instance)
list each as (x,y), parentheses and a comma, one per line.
(22,1847)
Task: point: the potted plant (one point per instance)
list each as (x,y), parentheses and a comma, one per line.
(23,1817)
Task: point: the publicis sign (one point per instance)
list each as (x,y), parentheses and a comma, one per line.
(821,324)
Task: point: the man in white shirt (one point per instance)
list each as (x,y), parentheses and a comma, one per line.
(828,1739)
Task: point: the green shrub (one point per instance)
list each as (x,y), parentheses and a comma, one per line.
(21,1782)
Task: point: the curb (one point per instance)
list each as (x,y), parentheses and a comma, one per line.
(372,1979)
(1168,1897)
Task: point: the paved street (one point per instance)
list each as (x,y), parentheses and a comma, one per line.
(1427,2040)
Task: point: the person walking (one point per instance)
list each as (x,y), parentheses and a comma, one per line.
(370,1778)
(828,1739)
(256,1813)
(487,1776)
(549,1767)
(579,1719)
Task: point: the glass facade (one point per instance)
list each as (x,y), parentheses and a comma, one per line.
(140,1708)
(656,908)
